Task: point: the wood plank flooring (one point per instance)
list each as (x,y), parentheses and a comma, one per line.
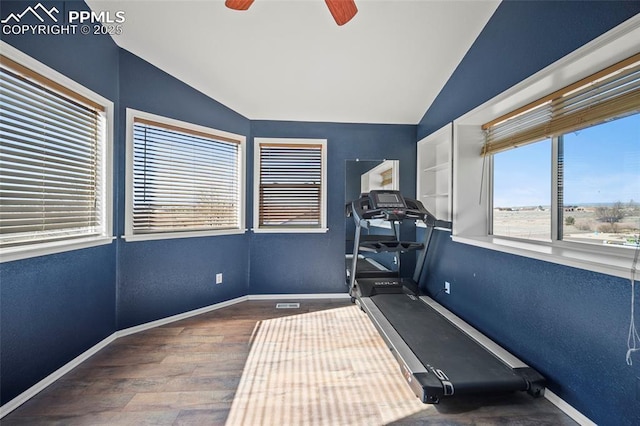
(240,365)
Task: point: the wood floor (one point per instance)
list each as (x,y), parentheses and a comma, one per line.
(253,364)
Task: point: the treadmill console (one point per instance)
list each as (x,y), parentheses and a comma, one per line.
(384,199)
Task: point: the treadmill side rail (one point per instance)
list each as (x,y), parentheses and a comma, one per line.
(424,384)
(480,338)
(536,383)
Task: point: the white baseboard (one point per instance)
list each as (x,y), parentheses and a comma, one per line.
(298,296)
(173,318)
(42,384)
(50,379)
(576,415)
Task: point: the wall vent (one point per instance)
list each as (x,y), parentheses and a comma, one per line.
(287,305)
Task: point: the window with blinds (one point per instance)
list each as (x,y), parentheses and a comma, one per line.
(611,93)
(183,179)
(291,188)
(575,174)
(52,165)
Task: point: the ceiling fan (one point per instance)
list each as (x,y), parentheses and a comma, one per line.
(341,10)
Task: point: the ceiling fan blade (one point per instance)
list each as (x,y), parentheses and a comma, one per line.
(238,4)
(342,10)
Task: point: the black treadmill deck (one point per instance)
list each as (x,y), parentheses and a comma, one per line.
(469,367)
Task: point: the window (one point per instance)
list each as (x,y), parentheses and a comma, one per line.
(290,188)
(184,180)
(54,161)
(595,128)
(600,198)
(522,192)
(590,177)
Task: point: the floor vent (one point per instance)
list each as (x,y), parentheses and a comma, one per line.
(287,305)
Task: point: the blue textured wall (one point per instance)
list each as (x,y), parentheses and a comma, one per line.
(521,38)
(157,279)
(568,323)
(314,263)
(55,307)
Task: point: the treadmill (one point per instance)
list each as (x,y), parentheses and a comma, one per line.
(440,356)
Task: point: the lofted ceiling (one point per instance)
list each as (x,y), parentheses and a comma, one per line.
(288,60)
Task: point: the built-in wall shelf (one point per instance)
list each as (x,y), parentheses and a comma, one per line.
(435,172)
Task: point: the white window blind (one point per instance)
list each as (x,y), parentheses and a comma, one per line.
(610,93)
(50,160)
(290,185)
(183,180)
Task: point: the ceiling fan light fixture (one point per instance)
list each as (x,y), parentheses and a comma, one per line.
(238,4)
(342,10)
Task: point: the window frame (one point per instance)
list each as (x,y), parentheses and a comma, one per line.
(553,193)
(472,182)
(129,236)
(256,186)
(63,85)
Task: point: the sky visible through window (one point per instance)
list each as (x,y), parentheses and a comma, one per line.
(602,165)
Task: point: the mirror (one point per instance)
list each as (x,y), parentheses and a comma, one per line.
(362,176)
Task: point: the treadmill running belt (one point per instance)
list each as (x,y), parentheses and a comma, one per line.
(439,344)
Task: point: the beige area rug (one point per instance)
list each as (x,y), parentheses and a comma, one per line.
(322,368)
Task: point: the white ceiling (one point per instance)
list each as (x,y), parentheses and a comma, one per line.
(288,60)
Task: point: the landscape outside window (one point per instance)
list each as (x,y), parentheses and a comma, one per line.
(598,187)
(522,192)
(602,183)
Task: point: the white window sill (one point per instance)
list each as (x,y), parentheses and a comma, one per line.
(290,230)
(43,249)
(174,235)
(616,262)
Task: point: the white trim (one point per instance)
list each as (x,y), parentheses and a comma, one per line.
(616,264)
(51,378)
(132,114)
(29,251)
(106,167)
(178,317)
(563,406)
(611,47)
(289,230)
(303,296)
(256,185)
(173,235)
(433,168)
(472,184)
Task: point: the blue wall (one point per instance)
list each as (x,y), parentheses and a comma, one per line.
(521,38)
(157,279)
(55,307)
(314,263)
(568,323)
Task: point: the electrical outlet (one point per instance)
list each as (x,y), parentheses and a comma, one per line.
(219,278)
(447,287)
